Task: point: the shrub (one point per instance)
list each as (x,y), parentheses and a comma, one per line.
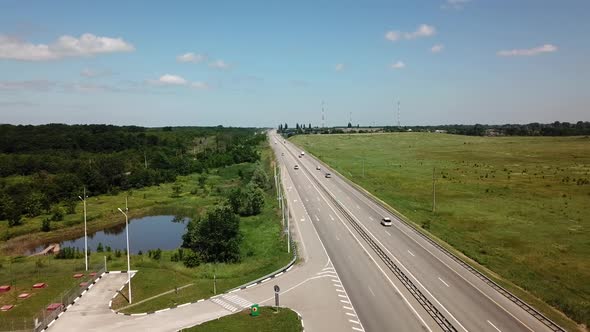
(191,259)
(57,213)
(99,247)
(46,225)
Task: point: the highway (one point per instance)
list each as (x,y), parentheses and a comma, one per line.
(390,271)
(354,274)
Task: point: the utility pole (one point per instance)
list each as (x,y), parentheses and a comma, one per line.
(399,125)
(433,190)
(323,115)
(85,229)
(363,166)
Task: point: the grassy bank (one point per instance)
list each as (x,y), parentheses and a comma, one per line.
(285,321)
(516,205)
(263,250)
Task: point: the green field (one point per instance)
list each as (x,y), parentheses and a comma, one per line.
(519,206)
(263,249)
(284,321)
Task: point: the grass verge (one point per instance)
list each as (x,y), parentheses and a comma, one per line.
(285,320)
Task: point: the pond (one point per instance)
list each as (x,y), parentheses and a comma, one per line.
(164,232)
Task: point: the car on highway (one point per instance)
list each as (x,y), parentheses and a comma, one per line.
(296,167)
(328,175)
(282,153)
(300,156)
(318,167)
(386,221)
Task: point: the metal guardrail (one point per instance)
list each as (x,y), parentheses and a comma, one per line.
(513,298)
(436,315)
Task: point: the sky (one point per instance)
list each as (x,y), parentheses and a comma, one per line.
(261,63)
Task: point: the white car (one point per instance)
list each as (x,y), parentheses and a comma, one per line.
(386,221)
(318,167)
(296,167)
(328,175)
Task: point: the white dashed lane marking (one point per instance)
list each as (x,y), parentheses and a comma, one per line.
(411,253)
(443,282)
(494,326)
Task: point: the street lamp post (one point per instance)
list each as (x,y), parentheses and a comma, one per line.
(85,230)
(128,255)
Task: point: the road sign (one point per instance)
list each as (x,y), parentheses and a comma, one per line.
(277,289)
(254,310)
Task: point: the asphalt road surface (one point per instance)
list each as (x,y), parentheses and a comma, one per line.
(383,302)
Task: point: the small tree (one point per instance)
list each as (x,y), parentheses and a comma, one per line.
(202,180)
(176,190)
(216,237)
(260,178)
(46,225)
(99,248)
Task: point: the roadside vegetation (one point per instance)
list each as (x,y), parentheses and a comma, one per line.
(213,260)
(516,205)
(260,248)
(285,320)
(44,169)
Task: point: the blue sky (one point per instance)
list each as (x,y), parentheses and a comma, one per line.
(260,63)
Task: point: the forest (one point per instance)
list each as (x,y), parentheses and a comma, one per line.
(45,168)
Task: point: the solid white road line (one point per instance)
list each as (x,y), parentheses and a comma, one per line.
(411,236)
(494,326)
(411,253)
(372,259)
(443,282)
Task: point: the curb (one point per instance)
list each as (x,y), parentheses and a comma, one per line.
(258,281)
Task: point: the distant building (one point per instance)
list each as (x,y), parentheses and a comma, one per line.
(440,131)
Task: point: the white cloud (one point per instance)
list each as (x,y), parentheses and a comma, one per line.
(547,48)
(65,46)
(169,79)
(175,80)
(454,4)
(437,48)
(219,64)
(398,65)
(199,85)
(339,67)
(191,57)
(424,30)
(91,73)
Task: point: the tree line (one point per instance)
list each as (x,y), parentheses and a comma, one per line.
(556,128)
(44,167)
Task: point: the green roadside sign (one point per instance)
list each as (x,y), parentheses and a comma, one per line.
(254,310)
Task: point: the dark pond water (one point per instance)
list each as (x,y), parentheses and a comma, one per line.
(164,232)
